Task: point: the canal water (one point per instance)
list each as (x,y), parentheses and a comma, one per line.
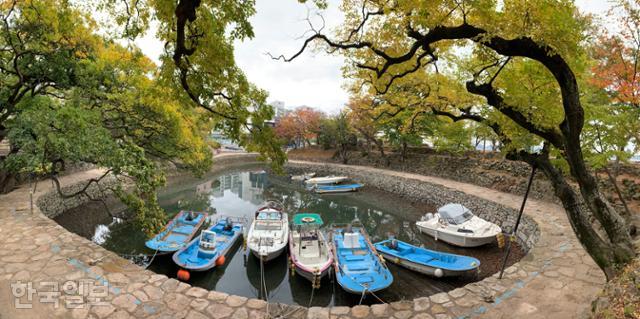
(240,193)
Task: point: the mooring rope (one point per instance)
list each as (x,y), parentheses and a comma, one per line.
(361,285)
(263,283)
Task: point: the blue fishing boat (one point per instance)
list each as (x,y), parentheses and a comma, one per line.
(177,233)
(210,248)
(358,267)
(341,188)
(426,261)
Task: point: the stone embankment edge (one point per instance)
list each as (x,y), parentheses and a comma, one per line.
(555,280)
(421,191)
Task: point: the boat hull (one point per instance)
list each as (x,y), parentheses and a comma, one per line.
(423,269)
(326,180)
(269,255)
(325,189)
(311,275)
(461,241)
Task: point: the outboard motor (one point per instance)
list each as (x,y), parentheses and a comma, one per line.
(228,226)
(392,244)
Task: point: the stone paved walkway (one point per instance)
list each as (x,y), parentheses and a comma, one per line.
(555,280)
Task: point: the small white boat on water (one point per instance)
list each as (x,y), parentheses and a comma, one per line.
(310,252)
(457,225)
(331,179)
(269,232)
(303,177)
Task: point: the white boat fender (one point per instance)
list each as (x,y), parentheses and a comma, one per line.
(429,216)
(439,273)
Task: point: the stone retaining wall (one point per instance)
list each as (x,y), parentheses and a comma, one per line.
(419,191)
(53,204)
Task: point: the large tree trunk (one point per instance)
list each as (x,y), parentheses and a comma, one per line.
(379,145)
(403,153)
(8,181)
(611,221)
(606,252)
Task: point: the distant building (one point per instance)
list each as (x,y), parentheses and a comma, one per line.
(279,109)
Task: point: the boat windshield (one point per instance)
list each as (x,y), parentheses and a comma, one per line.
(273,215)
(455,214)
(265,225)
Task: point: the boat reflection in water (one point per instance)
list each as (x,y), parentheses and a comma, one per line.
(268,282)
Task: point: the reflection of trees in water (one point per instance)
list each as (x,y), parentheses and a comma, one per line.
(199,202)
(335,209)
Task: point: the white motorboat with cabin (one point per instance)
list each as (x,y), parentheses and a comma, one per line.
(269,232)
(457,225)
(331,179)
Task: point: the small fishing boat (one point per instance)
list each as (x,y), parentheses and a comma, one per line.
(326,180)
(269,232)
(177,233)
(456,225)
(358,267)
(426,261)
(311,255)
(211,247)
(342,188)
(303,177)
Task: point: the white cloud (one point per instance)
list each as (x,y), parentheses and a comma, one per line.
(314,78)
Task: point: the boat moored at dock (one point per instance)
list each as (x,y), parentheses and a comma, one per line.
(310,252)
(358,267)
(211,247)
(269,232)
(326,180)
(457,225)
(341,188)
(177,233)
(426,261)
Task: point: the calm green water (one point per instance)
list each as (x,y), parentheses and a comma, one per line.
(240,194)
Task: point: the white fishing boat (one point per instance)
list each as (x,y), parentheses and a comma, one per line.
(311,255)
(269,232)
(457,225)
(303,177)
(331,179)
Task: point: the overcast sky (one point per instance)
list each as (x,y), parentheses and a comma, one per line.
(313,79)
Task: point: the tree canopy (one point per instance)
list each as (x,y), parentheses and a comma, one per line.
(72,91)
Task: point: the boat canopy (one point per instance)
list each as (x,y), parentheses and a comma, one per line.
(455,214)
(307,219)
